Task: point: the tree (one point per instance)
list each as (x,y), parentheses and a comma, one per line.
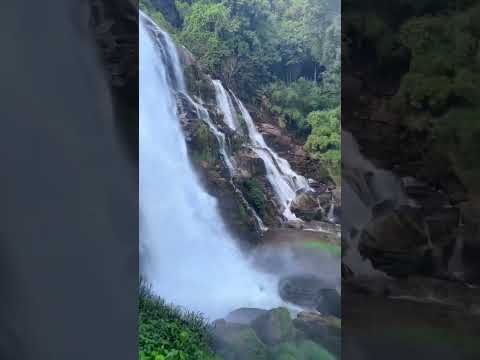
(324,140)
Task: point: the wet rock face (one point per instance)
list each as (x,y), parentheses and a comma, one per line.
(274,334)
(300,290)
(410,240)
(328,302)
(274,327)
(311,292)
(249,164)
(323,329)
(244,315)
(307,207)
(204,151)
(428,177)
(237,342)
(292,150)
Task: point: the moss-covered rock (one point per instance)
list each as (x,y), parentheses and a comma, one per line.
(274,327)
(302,350)
(238,342)
(324,330)
(204,146)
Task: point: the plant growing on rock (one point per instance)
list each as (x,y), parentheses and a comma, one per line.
(166,332)
(255,196)
(324,141)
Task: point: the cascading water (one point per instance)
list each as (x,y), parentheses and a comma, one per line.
(187,255)
(224,101)
(203,114)
(285,182)
(363,187)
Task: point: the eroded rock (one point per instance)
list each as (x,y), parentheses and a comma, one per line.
(274,327)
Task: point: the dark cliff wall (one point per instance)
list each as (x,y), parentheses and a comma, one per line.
(169,10)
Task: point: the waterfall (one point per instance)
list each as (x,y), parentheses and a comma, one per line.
(285,182)
(203,114)
(187,255)
(225,103)
(363,187)
(331,211)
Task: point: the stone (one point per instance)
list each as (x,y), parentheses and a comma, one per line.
(301,350)
(244,315)
(249,164)
(328,302)
(296,224)
(396,242)
(302,290)
(325,330)
(274,327)
(237,342)
(306,207)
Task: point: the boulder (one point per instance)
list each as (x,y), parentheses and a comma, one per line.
(274,327)
(296,224)
(396,242)
(244,315)
(325,330)
(273,135)
(301,350)
(306,207)
(249,164)
(302,290)
(328,302)
(237,342)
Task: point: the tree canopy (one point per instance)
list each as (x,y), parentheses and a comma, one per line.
(286,52)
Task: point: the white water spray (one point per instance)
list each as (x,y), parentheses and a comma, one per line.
(187,255)
(203,114)
(364,186)
(224,101)
(285,182)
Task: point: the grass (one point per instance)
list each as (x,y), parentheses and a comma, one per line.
(169,333)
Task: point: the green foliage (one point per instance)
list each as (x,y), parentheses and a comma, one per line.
(156,15)
(293,102)
(444,68)
(458,132)
(426,92)
(439,92)
(205,146)
(255,196)
(324,141)
(286,52)
(247,43)
(167,333)
(205,25)
(303,350)
(231,39)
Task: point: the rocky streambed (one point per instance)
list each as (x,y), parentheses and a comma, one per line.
(309,324)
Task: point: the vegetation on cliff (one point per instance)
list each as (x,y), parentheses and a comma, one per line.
(168,333)
(284,54)
(432,49)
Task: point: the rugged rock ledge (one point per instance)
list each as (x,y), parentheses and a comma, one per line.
(248,189)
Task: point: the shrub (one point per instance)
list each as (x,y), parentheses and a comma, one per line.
(166,332)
